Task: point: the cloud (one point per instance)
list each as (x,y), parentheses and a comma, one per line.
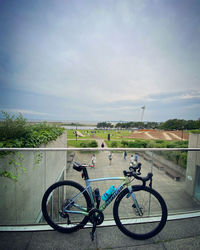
(191,95)
(101,59)
(25,112)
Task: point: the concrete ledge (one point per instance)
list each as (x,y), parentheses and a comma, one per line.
(175,175)
(178,234)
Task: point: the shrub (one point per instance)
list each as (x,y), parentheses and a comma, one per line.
(131,144)
(170,145)
(124,143)
(181,144)
(152,144)
(114,144)
(183,159)
(13,127)
(83,145)
(159,141)
(16,132)
(140,144)
(195,131)
(93,144)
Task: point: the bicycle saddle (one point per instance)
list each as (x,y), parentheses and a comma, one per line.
(77,166)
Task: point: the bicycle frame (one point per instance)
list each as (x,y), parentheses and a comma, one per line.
(125,182)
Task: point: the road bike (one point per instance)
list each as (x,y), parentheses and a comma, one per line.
(139,211)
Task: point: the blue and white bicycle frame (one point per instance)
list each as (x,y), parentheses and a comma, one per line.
(82,210)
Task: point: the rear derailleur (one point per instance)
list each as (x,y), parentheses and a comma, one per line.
(68,203)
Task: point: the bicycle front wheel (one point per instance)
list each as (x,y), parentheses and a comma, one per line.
(143,217)
(64,206)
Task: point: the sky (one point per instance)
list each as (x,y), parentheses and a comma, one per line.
(102,60)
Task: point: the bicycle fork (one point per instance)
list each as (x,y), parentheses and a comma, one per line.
(135,204)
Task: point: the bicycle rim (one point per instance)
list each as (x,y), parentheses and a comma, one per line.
(62,196)
(141,223)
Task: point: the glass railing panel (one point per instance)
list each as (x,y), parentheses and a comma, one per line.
(106,168)
(37,170)
(34,172)
(172,180)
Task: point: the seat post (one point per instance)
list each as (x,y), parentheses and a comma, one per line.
(85,173)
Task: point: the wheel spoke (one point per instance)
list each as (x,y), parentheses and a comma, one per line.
(64,206)
(135,216)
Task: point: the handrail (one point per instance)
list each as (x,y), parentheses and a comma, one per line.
(99,149)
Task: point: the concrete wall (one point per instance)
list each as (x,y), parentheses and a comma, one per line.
(20,201)
(193,161)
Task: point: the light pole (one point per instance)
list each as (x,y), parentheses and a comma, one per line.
(182,132)
(142,116)
(76,133)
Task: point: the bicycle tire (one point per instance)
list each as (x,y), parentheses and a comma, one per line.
(127,218)
(53,201)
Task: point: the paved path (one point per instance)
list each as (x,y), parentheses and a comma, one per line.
(150,136)
(176,235)
(99,141)
(175,136)
(167,137)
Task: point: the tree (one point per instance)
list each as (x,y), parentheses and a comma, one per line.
(104,125)
(179,124)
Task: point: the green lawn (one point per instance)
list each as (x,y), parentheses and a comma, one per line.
(101,134)
(87,134)
(82,143)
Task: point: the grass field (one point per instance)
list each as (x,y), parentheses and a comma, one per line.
(123,138)
(98,134)
(130,135)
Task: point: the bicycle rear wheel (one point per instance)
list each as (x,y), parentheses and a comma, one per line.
(153,217)
(62,196)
